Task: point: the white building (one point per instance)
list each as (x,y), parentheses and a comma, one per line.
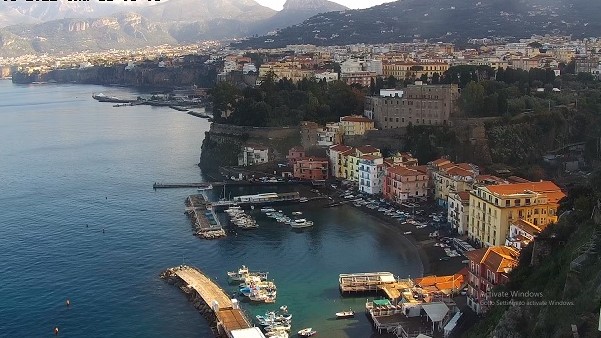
(250,155)
(249,67)
(371,174)
(521,233)
(374,66)
(351,66)
(391,92)
(458,210)
(327,76)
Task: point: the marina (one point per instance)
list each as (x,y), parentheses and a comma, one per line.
(206,223)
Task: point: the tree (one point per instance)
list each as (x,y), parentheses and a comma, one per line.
(472,99)
(435,78)
(424,78)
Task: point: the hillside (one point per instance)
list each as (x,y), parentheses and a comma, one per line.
(127,30)
(564,283)
(444,20)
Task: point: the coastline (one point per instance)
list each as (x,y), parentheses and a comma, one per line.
(429,254)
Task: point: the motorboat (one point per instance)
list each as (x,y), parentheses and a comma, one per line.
(345,314)
(297,212)
(208,187)
(267,210)
(301,223)
(303,199)
(306,332)
(277,334)
(279,327)
(238,275)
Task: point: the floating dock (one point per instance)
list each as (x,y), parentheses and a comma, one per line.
(206,223)
(224,314)
(365,282)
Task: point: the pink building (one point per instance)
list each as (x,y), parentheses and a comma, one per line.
(405,183)
(311,168)
(295,154)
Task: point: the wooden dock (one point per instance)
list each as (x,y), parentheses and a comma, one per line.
(364,282)
(224,315)
(206,223)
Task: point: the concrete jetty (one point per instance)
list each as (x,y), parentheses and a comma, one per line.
(206,223)
(224,314)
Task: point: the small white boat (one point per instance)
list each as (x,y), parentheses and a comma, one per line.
(297,212)
(306,332)
(345,314)
(301,223)
(208,187)
(267,210)
(303,199)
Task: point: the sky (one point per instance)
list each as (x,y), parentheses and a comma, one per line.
(279,4)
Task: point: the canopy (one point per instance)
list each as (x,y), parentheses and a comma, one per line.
(436,311)
(381,302)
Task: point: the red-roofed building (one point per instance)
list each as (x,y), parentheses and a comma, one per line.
(450,177)
(488,267)
(521,233)
(311,168)
(405,183)
(492,209)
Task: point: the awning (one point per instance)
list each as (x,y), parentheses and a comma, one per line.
(436,311)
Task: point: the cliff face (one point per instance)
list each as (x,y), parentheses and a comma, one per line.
(200,75)
(222,144)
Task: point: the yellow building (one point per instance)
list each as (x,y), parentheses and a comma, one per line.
(291,70)
(492,208)
(351,160)
(355,125)
(407,69)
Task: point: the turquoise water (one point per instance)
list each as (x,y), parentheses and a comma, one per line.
(71,167)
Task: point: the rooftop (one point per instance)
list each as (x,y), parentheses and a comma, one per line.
(497,258)
(548,188)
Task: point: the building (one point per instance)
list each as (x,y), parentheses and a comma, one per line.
(362,78)
(330,135)
(521,233)
(351,160)
(326,76)
(337,168)
(413,70)
(492,208)
(405,159)
(450,177)
(311,168)
(355,125)
(488,267)
(458,210)
(405,184)
(308,131)
(291,70)
(295,154)
(432,105)
(250,155)
(371,174)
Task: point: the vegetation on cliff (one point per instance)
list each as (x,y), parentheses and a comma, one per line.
(568,273)
(284,103)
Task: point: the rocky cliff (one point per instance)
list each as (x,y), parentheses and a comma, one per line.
(152,77)
(222,144)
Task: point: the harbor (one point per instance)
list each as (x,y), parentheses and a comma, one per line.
(223,314)
(206,223)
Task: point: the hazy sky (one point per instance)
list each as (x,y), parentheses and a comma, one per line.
(278,4)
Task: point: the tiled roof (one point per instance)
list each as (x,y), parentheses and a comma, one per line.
(496,258)
(440,161)
(370,157)
(403,171)
(464,195)
(421,168)
(355,118)
(528,227)
(367,149)
(543,187)
(340,147)
(456,171)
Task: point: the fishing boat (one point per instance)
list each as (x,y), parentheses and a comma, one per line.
(297,212)
(208,187)
(267,210)
(345,314)
(301,223)
(239,275)
(281,327)
(306,332)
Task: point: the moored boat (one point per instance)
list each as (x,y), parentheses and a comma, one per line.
(306,332)
(301,223)
(345,314)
